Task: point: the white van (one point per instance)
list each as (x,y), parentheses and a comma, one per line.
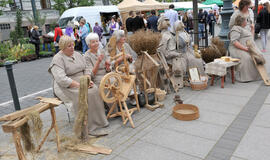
(92,15)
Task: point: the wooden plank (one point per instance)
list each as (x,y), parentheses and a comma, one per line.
(54,101)
(151,58)
(20,122)
(17,114)
(18,145)
(90,149)
(261,69)
(126,87)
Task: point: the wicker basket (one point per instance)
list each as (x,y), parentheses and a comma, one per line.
(197,86)
(161,94)
(185,112)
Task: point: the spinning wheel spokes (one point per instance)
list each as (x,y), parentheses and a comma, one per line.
(109,84)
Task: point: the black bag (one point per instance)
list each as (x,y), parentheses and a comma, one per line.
(32,41)
(141,98)
(257,28)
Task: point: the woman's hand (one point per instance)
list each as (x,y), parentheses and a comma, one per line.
(91,84)
(107,66)
(100,57)
(74,84)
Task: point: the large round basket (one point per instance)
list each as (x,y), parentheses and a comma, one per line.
(197,86)
(185,112)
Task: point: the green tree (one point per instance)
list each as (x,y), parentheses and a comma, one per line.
(116,2)
(40,20)
(3,4)
(62,5)
(17,34)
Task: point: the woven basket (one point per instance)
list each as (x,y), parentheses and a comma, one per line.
(185,112)
(197,86)
(161,94)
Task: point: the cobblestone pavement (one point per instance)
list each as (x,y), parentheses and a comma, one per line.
(234,123)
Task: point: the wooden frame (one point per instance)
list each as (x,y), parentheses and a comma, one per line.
(18,118)
(194,74)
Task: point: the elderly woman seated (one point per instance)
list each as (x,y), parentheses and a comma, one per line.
(117,45)
(66,68)
(96,59)
(246,71)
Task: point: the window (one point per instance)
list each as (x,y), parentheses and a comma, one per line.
(16,4)
(45,4)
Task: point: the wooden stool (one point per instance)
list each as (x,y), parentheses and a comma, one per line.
(224,77)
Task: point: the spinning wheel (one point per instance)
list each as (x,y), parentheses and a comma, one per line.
(121,69)
(115,87)
(109,85)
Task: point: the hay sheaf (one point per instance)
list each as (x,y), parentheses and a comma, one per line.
(215,50)
(80,125)
(36,130)
(144,41)
(220,45)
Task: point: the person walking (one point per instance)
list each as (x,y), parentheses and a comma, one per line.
(129,22)
(98,30)
(138,22)
(83,32)
(202,22)
(35,36)
(152,21)
(263,20)
(210,20)
(114,26)
(57,34)
(172,15)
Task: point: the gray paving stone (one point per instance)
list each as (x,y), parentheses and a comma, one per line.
(237,158)
(217,107)
(195,128)
(255,144)
(216,117)
(191,145)
(146,151)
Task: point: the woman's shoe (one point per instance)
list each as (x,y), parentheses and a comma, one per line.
(98,132)
(264,50)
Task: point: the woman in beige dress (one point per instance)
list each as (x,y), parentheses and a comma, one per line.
(66,68)
(96,59)
(119,45)
(245,11)
(246,71)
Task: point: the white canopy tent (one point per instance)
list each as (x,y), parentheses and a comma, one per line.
(152,4)
(188,5)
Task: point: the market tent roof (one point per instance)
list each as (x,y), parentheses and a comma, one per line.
(152,4)
(217,2)
(128,5)
(188,5)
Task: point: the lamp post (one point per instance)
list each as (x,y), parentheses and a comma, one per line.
(34,9)
(226,13)
(195,22)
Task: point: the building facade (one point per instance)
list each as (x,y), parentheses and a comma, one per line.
(8,19)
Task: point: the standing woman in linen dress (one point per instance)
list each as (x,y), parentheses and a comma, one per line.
(246,71)
(245,11)
(66,68)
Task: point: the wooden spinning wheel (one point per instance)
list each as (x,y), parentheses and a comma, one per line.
(115,87)
(110,85)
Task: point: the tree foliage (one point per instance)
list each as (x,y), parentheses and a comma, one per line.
(18,32)
(116,2)
(40,19)
(3,4)
(62,5)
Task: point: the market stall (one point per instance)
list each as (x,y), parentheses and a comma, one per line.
(179,6)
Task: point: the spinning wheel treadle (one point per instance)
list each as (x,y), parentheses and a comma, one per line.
(110,84)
